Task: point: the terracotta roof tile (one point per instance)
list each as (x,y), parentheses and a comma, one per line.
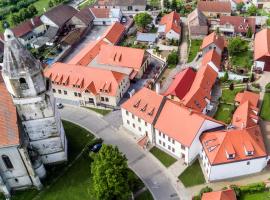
(220,195)
(212,56)
(252,97)
(262,44)
(172,22)
(213,38)
(100,12)
(241,24)
(114,33)
(215,6)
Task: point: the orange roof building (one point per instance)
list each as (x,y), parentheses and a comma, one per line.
(114,33)
(213,41)
(252,97)
(262,50)
(213,59)
(87,85)
(169,26)
(220,195)
(214,9)
(199,95)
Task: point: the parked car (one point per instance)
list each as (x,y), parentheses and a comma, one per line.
(59,105)
(96,148)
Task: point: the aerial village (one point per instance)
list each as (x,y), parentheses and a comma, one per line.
(178,90)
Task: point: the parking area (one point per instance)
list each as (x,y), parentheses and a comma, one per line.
(93,35)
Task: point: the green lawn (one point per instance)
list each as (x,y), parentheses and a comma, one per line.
(256,196)
(228,95)
(242,60)
(146,195)
(224,113)
(100,111)
(86,3)
(194,48)
(193,175)
(163,157)
(265,110)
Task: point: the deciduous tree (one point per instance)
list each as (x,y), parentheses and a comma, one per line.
(142,20)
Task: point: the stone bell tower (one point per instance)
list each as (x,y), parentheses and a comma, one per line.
(36,107)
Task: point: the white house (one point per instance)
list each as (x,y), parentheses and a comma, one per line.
(233,153)
(178,129)
(106,16)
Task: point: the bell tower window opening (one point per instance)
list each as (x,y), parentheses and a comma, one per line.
(23,84)
(7,162)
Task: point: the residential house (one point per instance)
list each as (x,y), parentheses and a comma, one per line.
(199,96)
(213,41)
(215,9)
(265,4)
(82,19)
(106,16)
(227,194)
(181,84)
(178,128)
(87,86)
(124,5)
(114,33)
(213,59)
(170,26)
(197,24)
(236,25)
(140,113)
(242,150)
(261,50)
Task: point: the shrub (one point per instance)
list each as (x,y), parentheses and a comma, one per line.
(173,58)
(236,189)
(253,188)
(196,198)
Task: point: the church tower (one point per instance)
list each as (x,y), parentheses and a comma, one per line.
(32,96)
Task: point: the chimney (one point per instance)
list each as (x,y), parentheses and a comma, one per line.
(32,21)
(157,86)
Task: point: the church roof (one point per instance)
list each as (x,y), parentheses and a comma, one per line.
(17,60)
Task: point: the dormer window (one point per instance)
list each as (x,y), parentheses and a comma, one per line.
(249,153)
(23,84)
(230,155)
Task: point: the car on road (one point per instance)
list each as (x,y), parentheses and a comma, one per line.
(96,148)
(59,105)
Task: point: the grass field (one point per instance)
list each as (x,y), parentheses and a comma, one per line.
(265,110)
(256,196)
(242,60)
(100,111)
(224,113)
(163,157)
(192,175)
(194,48)
(228,95)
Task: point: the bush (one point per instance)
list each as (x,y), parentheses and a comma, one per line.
(205,190)
(267,86)
(236,189)
(253,188)
(173,58)
(196,197)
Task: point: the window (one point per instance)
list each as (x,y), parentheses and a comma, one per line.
(102,98)
(23,84)
(126,113)
(183,147)
(159,142)
(133,125)
(145,123)
(159,133)
(248,162)
(79,94)
(139,120)
(169,147)
(163,135)
(173,150)
(59,91)
(164,144)
(75,94)
(65,92)
(169,139)
(146,133)
(107,99)
(53,90)
(132,116)
(7,162)
(140,129)
(173,141)
(127,121)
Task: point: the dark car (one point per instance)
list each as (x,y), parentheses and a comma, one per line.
(96,148)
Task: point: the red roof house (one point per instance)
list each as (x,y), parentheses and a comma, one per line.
(170,26)
(213,41)
(220,195)
(213,59)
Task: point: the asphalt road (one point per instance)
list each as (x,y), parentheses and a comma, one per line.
(145,166)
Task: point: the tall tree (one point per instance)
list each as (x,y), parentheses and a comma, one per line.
(252,10)
(110,174)
(15,19)
(142,20)
(32,10)
(166,3)
(155,3)
(173,4)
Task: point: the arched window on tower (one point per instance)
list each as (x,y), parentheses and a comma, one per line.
(7,162)
(23,84)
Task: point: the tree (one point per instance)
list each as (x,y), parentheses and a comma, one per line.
(142,20)
(173,4)
(24,14)
(173,58)
(249,32)
(50,4)
(155,3)
(166,3)
(15,19)
(225,77)
(240,6)
(252,10)
(268,22)
(32,10)
(110,174)
(236,45)
(205,190)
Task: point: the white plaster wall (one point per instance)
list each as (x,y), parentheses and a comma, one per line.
(47,21)
(172,35)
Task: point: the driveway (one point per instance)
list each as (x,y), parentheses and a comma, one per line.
(154,175)
(92,35)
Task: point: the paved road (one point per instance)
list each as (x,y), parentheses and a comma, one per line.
(148,169)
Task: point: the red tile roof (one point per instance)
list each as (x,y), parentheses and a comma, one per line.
(220,195)
(201,88)
(241,24)
(218,40)
(212,56)
(87,78)
(245,115)
(114,33)
(262,44)
(252,97)
(214,6)
(145,104)
(172,22)
(9,133)
(121,56)
(100,12)
(180,122)
(234,141)
(181,84)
